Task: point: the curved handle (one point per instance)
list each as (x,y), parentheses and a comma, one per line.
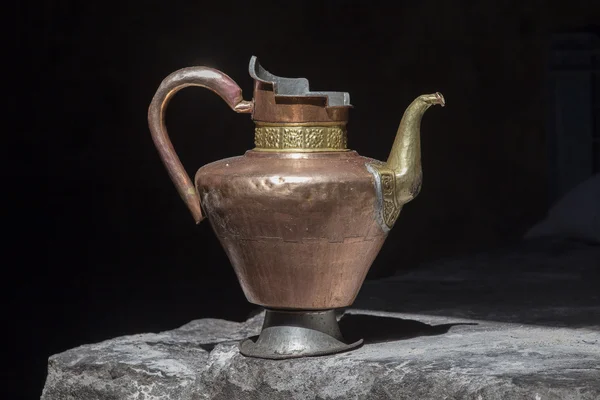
(204,77)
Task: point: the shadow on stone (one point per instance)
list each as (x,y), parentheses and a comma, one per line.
(376,329)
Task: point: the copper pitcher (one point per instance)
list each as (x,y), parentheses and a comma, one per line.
(300,216)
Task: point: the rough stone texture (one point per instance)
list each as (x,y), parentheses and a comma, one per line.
(523,323)
(146,366)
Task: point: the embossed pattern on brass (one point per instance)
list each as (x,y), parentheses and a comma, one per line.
(300,138)
(390,207)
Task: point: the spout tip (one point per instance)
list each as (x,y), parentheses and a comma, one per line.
(433,99)
(439,99)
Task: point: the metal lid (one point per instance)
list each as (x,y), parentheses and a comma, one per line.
(289,100)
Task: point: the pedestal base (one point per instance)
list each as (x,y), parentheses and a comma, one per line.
(294,334)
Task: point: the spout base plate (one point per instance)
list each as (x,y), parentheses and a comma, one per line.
(295,334)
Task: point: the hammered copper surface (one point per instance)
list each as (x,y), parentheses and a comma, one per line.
(299,228)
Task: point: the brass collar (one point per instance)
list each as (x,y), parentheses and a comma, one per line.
(300,137)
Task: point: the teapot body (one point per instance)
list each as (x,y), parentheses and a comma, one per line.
(301,217)
(300,228)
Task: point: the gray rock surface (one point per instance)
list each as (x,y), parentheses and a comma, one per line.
(457,330)
(146,366)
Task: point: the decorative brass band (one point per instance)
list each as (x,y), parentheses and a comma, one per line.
(389,207)
(300,137)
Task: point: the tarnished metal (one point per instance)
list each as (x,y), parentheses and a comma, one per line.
(293,334)
(301,217)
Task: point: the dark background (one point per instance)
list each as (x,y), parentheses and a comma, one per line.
(106,246)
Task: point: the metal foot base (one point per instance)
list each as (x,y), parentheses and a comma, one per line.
(294,334)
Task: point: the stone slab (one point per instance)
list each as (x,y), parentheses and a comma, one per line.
(522,323)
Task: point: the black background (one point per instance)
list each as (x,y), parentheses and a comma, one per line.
(105,247)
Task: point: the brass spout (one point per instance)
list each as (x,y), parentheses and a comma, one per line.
(405,157)
(400,177)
